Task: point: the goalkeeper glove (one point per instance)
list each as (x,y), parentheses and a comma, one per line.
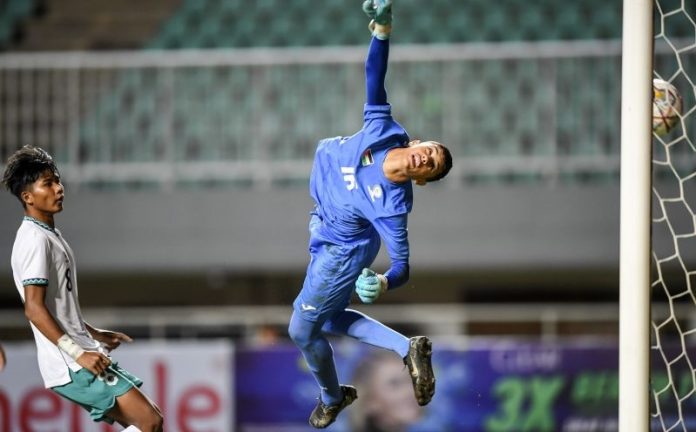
(370,285)
(379,10)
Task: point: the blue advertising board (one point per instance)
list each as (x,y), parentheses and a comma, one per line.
(488,386)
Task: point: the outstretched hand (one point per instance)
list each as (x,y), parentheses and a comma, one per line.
(370,285)
(380,13)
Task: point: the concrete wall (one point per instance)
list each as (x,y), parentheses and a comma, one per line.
(242,230)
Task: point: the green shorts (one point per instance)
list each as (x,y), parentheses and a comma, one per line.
(97,394)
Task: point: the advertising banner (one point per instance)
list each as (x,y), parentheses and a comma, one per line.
(482,386)
(191,383)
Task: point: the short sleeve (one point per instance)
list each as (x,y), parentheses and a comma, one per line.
(33,260)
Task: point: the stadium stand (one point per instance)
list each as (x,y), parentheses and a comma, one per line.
(177,24)
(230,23)
(194,113)
(210,115)
(67,25)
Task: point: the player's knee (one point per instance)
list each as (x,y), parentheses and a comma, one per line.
(153,423)
(159,423)
(297,336)
(300,336)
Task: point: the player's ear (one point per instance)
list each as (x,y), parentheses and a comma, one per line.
(27,197)
(414,142)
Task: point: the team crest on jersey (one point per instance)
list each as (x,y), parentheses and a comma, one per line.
(375,192)
(366,158)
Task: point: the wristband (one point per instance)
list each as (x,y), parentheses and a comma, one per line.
(71,348)
(380,31)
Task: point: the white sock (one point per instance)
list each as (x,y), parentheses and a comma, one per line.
(131,429)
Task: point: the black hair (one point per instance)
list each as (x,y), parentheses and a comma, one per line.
(24,167)
(447,167)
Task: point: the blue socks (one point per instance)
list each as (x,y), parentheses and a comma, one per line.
(318,354)
(317,351)
(365,329)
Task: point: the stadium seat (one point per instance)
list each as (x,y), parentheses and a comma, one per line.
(301,23)
(506,114)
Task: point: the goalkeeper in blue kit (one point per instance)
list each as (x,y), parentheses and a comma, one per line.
(362,187)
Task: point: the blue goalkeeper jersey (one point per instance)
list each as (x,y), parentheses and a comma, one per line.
(352,194)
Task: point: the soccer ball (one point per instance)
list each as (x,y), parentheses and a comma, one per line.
(666,107)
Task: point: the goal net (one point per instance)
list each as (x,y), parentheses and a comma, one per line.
(673,274)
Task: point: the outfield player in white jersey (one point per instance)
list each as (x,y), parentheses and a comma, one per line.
(73,355)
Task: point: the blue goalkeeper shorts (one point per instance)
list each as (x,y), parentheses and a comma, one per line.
(332,271)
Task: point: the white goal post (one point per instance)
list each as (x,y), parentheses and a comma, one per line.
(635,241)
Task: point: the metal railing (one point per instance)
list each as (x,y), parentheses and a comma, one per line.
(545,109)
(444,320)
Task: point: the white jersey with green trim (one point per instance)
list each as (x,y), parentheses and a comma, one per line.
(40,256)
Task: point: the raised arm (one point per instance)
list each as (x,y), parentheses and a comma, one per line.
(378,52)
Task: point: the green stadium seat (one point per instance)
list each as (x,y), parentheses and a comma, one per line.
(505,114)
(302,23)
